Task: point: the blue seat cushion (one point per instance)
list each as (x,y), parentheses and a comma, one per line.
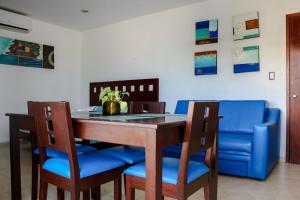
(235,142)
(176,149)
(55,153)
(241,116)
(89,164)
(227,141)
(127,154)
(170,170)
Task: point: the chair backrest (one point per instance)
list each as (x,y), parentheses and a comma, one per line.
(54,129)
(140,107)
(200,133)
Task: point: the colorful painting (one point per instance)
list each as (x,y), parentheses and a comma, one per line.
(206,63)
(246,26)
(207,32)
(27,54)
(246,59)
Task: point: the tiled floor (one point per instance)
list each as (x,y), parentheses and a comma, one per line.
(283,184)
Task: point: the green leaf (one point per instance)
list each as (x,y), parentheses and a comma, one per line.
(104,99)
(104,92)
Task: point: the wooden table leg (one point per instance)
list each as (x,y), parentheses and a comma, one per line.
(15,160)
(153,167)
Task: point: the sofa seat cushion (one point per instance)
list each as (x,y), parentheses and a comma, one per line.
(170,170)
(241,116)
(235,142)
(88,163)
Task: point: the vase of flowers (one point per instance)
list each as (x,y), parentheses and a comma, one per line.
(111,101)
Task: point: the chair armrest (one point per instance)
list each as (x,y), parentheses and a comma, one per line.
(266,145)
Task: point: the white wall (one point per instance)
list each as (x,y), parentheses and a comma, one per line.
(162,45)
(20,84)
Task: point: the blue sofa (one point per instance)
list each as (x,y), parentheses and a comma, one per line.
(249,138)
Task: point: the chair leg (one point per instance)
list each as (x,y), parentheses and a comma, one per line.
(75,195)
(180,198)
(96,193)
(43,190)
(210,191)
(130,192)
(34,179)
(60,194)
(124,180)
(118,188)
(86,195)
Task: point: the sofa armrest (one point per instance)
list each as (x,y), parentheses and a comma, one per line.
(266,144)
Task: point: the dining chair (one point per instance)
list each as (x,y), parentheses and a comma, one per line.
(74,173)
(140,107)
(182,177)
(51,153)
(128,154)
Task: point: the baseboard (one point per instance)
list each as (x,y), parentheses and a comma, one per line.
(282,159)
(2,144)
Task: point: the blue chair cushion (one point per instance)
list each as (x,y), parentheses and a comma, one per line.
(235,142)
(127,154)
(241,116)
(176,149)
(55,153)
(89,164)
(170,170)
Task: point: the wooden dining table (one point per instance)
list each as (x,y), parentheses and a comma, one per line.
(151,131)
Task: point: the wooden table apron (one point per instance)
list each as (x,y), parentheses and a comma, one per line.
(152,137)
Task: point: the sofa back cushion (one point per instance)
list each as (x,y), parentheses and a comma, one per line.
(182,107)
(240,116)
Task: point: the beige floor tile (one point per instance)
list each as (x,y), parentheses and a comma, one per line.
(282,184)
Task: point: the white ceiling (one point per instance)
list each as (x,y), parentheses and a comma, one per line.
(101,12)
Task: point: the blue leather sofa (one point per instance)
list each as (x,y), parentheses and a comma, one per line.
(249,138)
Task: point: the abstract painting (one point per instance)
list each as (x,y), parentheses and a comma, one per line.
(207,32)
(27,54)
(206,63)
(246,26)
(246,59)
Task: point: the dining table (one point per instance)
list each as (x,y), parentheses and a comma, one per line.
(151,131)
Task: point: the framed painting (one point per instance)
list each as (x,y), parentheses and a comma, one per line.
(246,59)
(207,32)
(27,54)
(206,63)
(246,26)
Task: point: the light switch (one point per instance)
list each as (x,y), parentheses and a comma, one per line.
(272,76)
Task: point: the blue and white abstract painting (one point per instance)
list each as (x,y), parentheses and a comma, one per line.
(206,63)
(207,32)
(246,59)
(246,26)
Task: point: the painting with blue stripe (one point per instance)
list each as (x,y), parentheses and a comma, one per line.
(207,32)
(206,63)
(27,54)
(246,59)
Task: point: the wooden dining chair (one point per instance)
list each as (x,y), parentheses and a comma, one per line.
(182,177)
(51,153)
(73,173)
(128,154)
(143,107)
